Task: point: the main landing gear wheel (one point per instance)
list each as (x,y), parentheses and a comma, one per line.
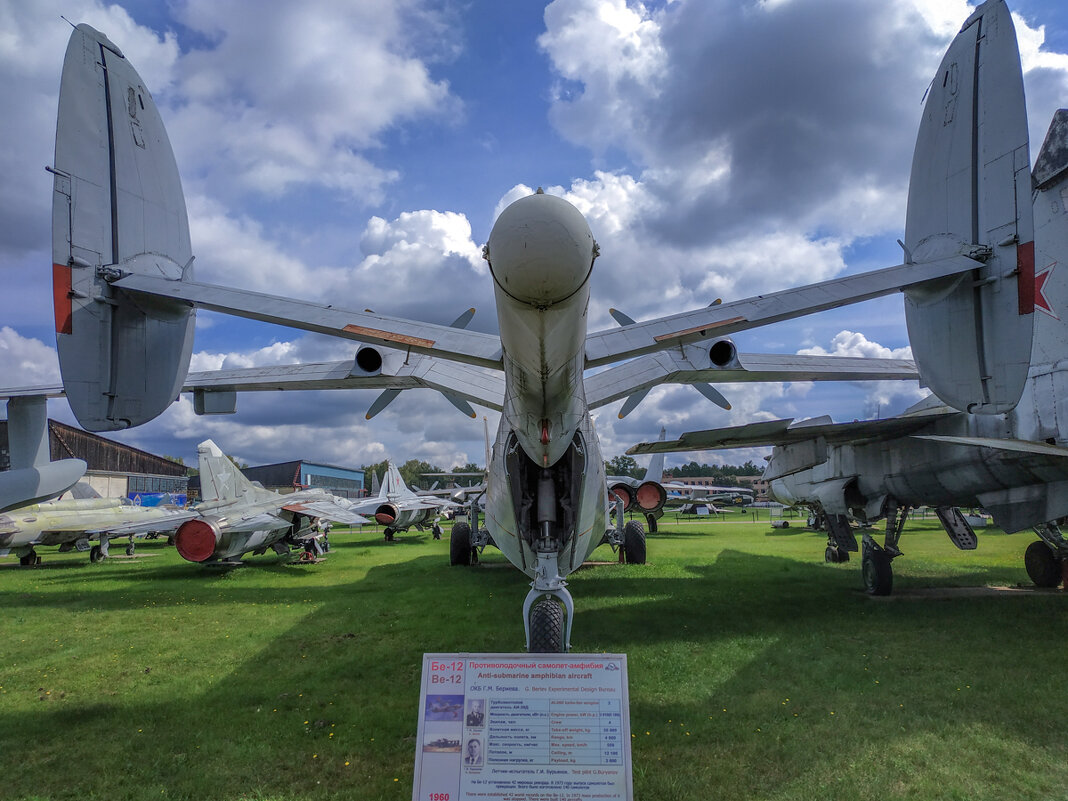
(1043,567)
(547,627)
(436,531)
(130,550)
(29,560)
(634,543)
(96,554)
(836,554)
(878,574)
(460,544)
(389,535)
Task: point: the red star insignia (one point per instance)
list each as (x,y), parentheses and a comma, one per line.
(1041,301)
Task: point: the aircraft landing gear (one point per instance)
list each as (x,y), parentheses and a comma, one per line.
(460,544)
(835,553)
(634,543)
(30,559)
(436,530)
(546,627)
(98,553)
(875,559)
(389,534)
(1047,559)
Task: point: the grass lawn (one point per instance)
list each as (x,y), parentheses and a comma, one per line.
(756,670)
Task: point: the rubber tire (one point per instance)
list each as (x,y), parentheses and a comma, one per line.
(30,559)
(1043,567)
(388,535)
(460,544)
(546,627)
(877,572)
(831,555)
(843,554)
(436,531)
(129,550)
(96,554)
(652,524)
(634,543)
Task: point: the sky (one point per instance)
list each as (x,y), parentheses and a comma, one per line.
(358,153)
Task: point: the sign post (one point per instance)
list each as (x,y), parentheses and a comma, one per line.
(536,727)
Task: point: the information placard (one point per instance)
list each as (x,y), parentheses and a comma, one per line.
(530,727)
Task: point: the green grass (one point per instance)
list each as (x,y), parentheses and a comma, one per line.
(756,670)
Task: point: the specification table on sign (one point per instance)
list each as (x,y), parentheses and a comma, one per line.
(538,727)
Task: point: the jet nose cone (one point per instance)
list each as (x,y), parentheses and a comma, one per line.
(540,250)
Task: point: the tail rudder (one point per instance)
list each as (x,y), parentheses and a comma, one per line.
(220,478)
(1050,180)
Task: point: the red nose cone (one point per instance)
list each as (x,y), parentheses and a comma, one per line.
(195,540)
(384,518)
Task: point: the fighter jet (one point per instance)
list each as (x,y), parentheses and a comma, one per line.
(125,300)
(237,516)
(398,508)
(75,522)
(1014,464)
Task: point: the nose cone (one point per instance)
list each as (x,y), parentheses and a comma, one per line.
(540,250)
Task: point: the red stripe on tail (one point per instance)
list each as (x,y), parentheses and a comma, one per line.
(61,299)
(1025,276)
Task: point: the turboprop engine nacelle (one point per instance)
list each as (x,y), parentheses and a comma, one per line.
(199,539)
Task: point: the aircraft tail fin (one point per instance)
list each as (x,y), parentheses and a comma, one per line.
(83,491)
(117,209)
(394,485)
(655,471)
(220,478)
(970,195)
(1050,180)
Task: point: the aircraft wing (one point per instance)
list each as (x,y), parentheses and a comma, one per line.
(784,432)
(334,512)
(690,365)
(453,344)
(154,524)
(724,319)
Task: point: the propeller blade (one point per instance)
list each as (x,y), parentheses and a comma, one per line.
(713,395)
(382,401)
(460,404)
(620,317)
(632,402)
(463,319)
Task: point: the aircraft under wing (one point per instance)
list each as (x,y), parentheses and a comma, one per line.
(474,384)
(1014,445)
(454,344)
(154,525)
(692,366)
(785,432)
(329,510)
(612,345)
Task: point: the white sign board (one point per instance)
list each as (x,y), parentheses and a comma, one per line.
(523,727)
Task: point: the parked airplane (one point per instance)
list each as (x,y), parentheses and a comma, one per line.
(237,516)
(123,276)
(75,522)
(398,508)
(1014,465)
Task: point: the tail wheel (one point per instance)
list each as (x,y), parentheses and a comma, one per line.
(1043,567)
(546,627)
(878,575)
(634,543)
(460,544)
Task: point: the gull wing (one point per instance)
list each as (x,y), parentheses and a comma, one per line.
(724,319)
(691,365)
(446,342)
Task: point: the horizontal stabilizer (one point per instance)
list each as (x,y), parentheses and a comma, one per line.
(31,485)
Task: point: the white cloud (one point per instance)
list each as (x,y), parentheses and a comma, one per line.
(25,361)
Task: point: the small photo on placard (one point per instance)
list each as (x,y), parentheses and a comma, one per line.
(476,713)
(444,707)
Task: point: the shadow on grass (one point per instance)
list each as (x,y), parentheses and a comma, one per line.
(743,633)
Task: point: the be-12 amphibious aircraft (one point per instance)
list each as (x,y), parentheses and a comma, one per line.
(237,516)
(125,297)
(1013,464)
